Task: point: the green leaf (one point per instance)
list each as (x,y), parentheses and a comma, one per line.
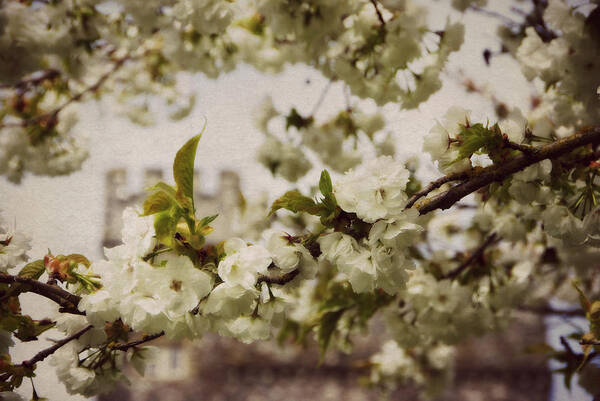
(326,329)
(583,300)
(207,220)
(29,329)
(79,259)
(325,185)
(10,322)
(33,270)
(295,202)
(254,24)
(475,137)
(164,226)
(413,186)
(164,187)
(183,169)
(157,202)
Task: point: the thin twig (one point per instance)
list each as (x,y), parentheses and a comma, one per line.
(40,356)
(51,116)
(321,98)
(143,340)
(379,15)
(281,280)
(35,79)
(476,255)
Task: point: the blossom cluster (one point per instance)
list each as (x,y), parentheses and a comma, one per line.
(568,66)
(371,47)
(375,193)
(339,142)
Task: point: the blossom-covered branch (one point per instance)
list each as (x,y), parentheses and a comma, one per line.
(497,173)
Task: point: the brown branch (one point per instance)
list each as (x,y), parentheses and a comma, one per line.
(583,161)
(40,356)
(548,310)
(499,172)
(281,280)
(459,176)
(379,15)
(36,79)
(476,255)
(145,339)
(51,116)
(64,298)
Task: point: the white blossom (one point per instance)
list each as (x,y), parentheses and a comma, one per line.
(375,190)
(243,263)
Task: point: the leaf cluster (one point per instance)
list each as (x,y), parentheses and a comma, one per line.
(173,207)
(325,207)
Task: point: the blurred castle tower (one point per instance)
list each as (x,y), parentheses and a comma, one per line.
(492,368)
(223,202)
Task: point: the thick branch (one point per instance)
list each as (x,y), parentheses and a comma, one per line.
(40,356)
(62,297)
(476,255)
(459,176)
(145,339)
(497,173)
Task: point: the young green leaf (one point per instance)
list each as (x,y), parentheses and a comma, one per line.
(79,259)
(157,202)
(30,329)
(164,187)
(207,220)
(33,270)
(295,202)
(475,137)
(183,169)
(325,185)
(164,226)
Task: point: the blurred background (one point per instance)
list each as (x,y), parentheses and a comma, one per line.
(80,213)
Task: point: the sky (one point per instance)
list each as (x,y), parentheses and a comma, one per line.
(66,214)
